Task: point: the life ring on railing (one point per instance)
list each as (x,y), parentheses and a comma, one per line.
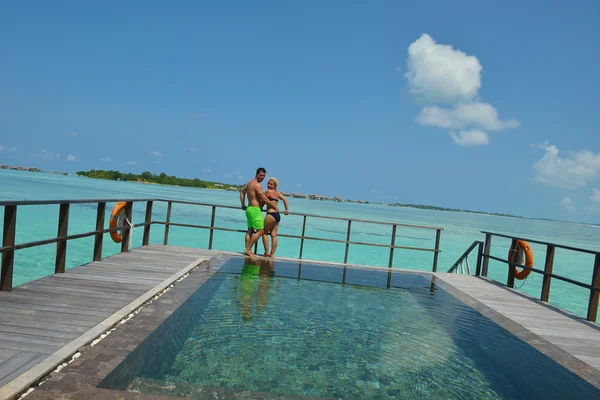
(117,211)
(515,255)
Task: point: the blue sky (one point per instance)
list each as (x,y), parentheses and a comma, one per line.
(462,104)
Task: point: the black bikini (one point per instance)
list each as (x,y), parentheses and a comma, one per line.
(275,214)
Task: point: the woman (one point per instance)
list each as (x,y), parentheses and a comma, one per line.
(272,218)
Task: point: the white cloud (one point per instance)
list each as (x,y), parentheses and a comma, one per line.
(130,163)
(595,197)
(298,185)
(1,148)
(206,170)
(439,74)
(157,162)
(71,157)
(568,203)
(12,148)
(155,153)
(105,159)
(471,115)
(193,149)
(574,171)
(74,134)
(470,138)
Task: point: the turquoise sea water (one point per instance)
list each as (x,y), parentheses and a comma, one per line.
(460,230)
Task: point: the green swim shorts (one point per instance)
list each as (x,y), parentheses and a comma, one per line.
(255,218)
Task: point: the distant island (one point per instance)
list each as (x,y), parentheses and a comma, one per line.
(161,179)
(18,168)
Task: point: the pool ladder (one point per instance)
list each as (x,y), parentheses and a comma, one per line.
(463,264)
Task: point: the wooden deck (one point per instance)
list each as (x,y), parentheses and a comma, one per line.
(47,320)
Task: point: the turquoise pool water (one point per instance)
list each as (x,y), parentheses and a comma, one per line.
(313,330)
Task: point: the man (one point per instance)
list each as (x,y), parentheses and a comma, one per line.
(254,217)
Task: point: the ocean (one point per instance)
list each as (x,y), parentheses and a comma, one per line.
(459,231)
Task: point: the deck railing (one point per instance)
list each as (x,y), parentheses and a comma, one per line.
(62,238)
(594,287)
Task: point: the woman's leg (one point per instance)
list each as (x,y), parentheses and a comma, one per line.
(269,220)
(274,239)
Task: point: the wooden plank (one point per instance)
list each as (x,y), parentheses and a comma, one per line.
(58,309)
(71,334)
(28,347)
(18,364)
(34,339)
(5,354)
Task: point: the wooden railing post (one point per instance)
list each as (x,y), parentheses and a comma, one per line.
(126,229)
(212,226)
(347,240)
(99,237)
(438,233)
(8,239)
(486,252)
(167,222)
(392,247)
(594,294)
(510,281)
(547,269)
(479,259)
(61,246)
(148,222)
(302,238)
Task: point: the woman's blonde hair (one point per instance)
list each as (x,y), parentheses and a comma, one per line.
(275,181)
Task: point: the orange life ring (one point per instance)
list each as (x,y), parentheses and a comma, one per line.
(114,220)
(513,254)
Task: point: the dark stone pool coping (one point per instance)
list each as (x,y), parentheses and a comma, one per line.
(79,380)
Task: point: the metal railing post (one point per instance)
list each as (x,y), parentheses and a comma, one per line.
(594,294)
(127,229)
(99,237)
(486,252)
(167,222)
(438,233)
(148,222)
(347,240)
(8,239)
(479,259)
(547,269)
(392,247)
(510,281)
(61,246)
(302,238)
(212,227)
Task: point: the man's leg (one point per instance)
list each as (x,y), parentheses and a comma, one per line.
(254,239)
(249,233)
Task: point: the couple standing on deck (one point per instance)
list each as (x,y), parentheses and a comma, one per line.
(257,226)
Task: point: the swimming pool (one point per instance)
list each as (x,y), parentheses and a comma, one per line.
(259,327)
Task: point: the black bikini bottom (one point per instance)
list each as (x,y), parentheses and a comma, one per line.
(276,216)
